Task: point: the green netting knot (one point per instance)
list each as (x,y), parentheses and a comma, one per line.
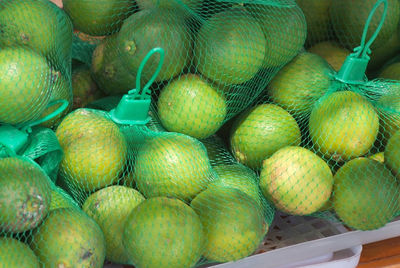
(12,140)
(133,109)
(355,65)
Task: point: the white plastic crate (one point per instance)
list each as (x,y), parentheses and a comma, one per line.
(310,242)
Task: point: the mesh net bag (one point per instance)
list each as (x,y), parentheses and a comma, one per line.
(228,64)
(147,181)
(319,136)
(335,28)
(29,196)
(35,65)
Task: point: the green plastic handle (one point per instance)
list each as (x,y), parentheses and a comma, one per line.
(355,65)
(145,90)
(64,105)
(134,107)
(365,48)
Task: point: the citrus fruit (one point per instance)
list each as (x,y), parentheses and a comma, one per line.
(230,51)
(95,149)
(110,207)
(332,52)
(296,180)
(298,85)
(190,105)
(172,165)
(24,195)
(68,238)
(365,194)
(233,223)
(171,225)
(260,131)
(343,125)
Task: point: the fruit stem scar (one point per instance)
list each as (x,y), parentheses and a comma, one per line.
(25,38)
(130,47)
(61,265)
(87,255)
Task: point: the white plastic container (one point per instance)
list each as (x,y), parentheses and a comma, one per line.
(307,242)
(347,258)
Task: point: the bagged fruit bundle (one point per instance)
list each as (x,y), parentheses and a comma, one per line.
(334,28)
(38,220)
(220,55)
(35,61)
(161,199)
(325,142)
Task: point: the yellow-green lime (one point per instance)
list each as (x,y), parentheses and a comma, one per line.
(343,125)
(392,154)
(84,88)
(298,85)
(388,107)
(100,17)
(169,225)
(365,194)
(39,25)
(285,31)
(192,106)
(233,223)
(349,17)
(332,52)
(14,253)
(24,195)
(25,85)
(151,28)
(172,164)
(69,238)
(260,131)
(380,157)
(296,180)
(95,149)
(239,177)
(148,4)
(230,51)
(61,199)
(385,52)
(108,71)
(110,207)
(317,18)
(61,91)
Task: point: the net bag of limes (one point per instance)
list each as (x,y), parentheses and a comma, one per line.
(334,28)
(324,142)
(35,61)
(29,162)
(220,55)
(157,196)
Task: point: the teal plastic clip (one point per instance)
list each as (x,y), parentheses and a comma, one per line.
(355,65)
(27,126)
(14,138)
(133,109)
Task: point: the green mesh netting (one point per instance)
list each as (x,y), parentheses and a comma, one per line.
(251,112)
